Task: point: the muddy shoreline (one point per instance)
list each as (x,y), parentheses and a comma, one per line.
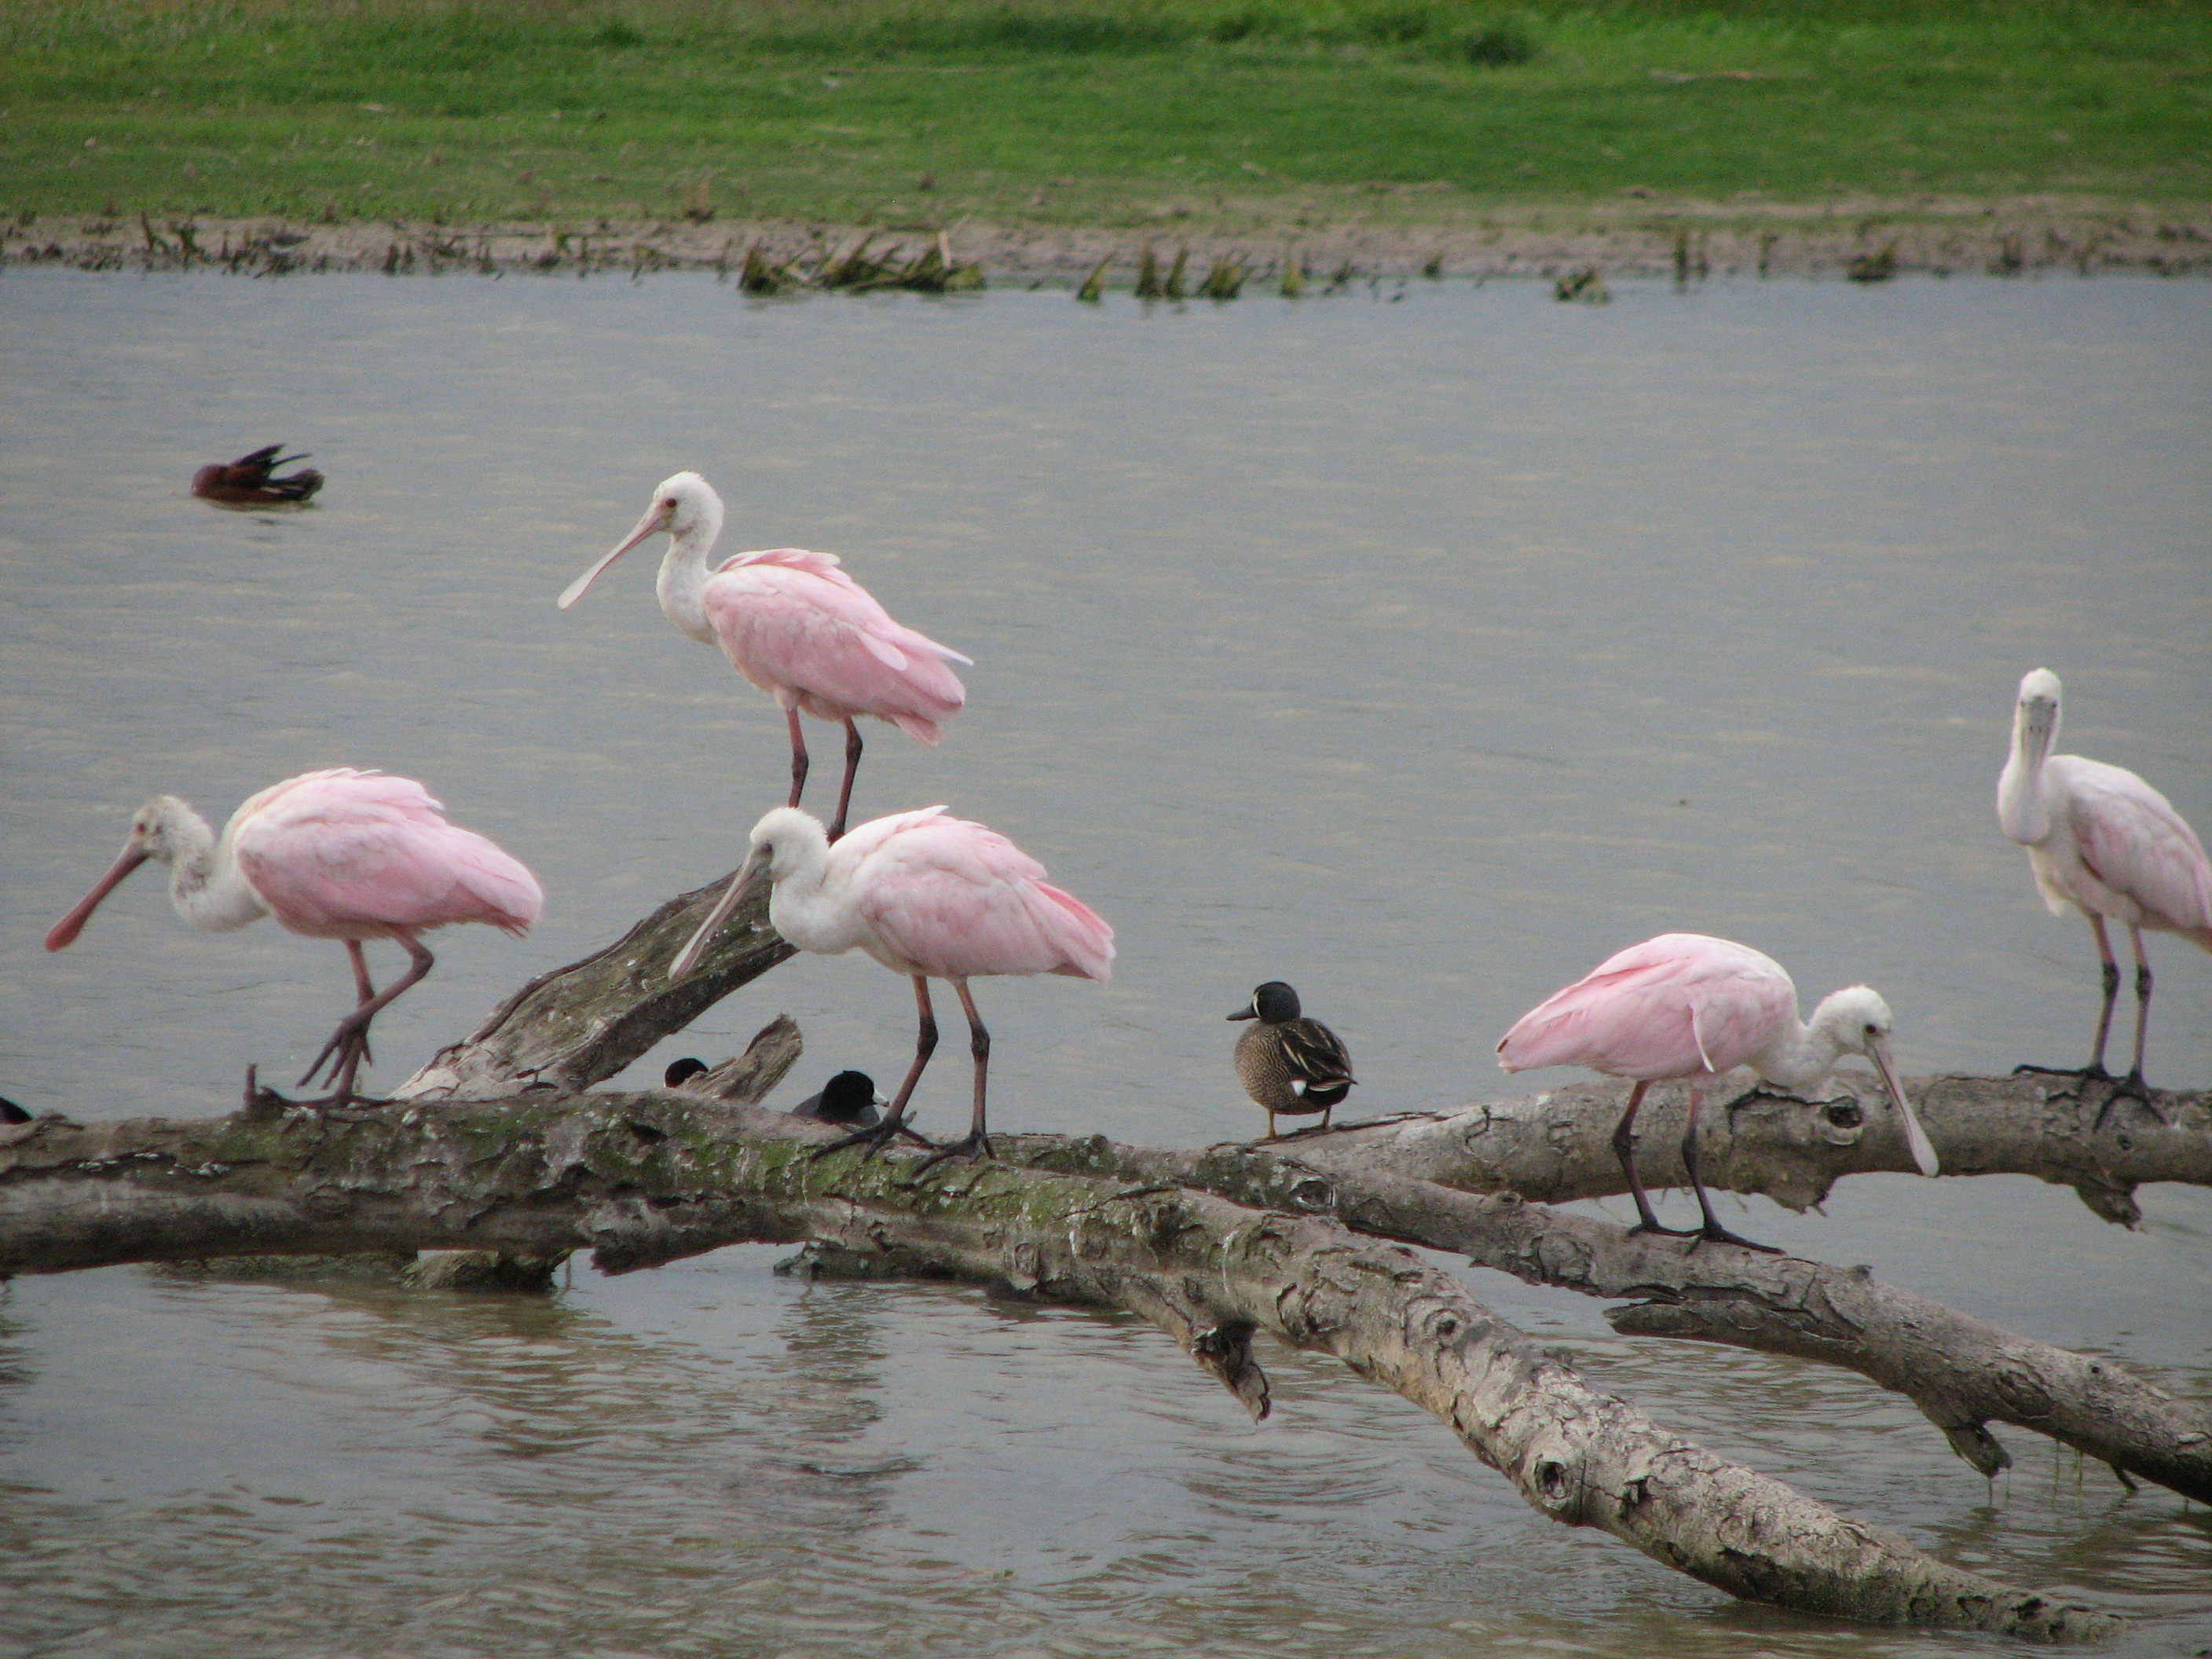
(1864,240)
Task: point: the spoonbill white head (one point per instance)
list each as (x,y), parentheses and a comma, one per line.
(2036,721)
(684,505)
(164,829)
(784,840)
(1857,1021)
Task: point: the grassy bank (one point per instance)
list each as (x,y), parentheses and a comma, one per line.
(1103,112)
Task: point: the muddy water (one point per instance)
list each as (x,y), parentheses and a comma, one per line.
(1420,652)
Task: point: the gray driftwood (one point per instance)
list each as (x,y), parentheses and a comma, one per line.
(1410,1178)
(581,1024)
(1962,1372)
(1558,1146)
(645,1179)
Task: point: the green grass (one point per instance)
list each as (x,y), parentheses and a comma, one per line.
(1099,111)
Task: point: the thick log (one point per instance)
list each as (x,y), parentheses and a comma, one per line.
(581,1024)
(1558,1146)
(643,1179)
(1963,1373)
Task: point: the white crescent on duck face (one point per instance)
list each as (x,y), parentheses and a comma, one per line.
(1288,1063)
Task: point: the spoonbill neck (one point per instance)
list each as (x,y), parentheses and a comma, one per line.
(205,883)
(682,584)
(2022,812)
(1800,1055)
(809,906)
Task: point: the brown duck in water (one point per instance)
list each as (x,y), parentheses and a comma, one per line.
(1289,1064)
(247,481)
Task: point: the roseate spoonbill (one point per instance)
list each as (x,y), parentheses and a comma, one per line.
(2100,839)
(1288,1063)
(245,481)
(333,854)
(796,626)
(1689,1006)
(849,1099)
(929,896)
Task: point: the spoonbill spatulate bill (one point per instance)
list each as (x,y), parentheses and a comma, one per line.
(795,625)
(927,895)
(340,855)
(2102,841)
(1687,1007)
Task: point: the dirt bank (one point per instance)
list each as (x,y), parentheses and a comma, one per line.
(1866,240)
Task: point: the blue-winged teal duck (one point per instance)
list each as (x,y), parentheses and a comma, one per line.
(1288,1063)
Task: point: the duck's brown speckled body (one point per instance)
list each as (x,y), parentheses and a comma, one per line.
(1287,1063)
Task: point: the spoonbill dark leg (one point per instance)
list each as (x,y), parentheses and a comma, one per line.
(2132,1086)
(349,1044)
(1712,1229)
(363,991)
(894,1123)
(978,1141)
(798,758)
(852,766)
(1624,1148)
(2095,1069)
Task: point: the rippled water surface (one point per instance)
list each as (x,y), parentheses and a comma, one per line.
(1420,652)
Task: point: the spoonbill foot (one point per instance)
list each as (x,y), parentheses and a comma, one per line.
(2130,1087)
(1714,1231)
(1651,1225)
(2090,1073)
(974,1144)
(875,1139)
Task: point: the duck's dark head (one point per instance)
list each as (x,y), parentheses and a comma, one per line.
(847,1096)
(681,1072)
(1271,1003)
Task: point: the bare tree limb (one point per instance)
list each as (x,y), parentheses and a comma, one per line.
(581,1024)
(1558,1146)
(1962,1372)
(644,1179)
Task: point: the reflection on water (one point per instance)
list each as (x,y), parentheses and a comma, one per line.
(1420,654)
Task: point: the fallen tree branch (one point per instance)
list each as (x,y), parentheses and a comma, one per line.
(1558,1146)
(644,1179)
(581,1024)
(1962,1372)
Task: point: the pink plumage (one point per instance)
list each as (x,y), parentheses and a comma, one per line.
(340,855)
(802,631)
(928,895)
(794,624)
(952,899)
(1691,1006)
(1677,1006)
(357,855)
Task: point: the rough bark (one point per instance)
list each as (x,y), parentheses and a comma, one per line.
(1962,1372)
(1558,1146)
(581,1024)
(644,1179)
(1393,1178)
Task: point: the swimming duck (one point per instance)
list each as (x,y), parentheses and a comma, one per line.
(1288,1063)
(245,481)
(849,1099)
